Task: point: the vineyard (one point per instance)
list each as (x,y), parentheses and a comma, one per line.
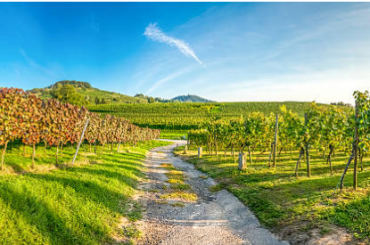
(185,116)
(324,130)
(300,173)
(294,162)
(28,119)
(46,197)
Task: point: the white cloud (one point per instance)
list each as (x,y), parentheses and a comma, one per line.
(153,32)
(95,25)
(168,78)
(36,65)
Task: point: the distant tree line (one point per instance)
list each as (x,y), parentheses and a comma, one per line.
(341,104)
(76,84)
(151,99)
(100,101)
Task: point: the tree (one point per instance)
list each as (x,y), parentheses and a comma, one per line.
(68,94)
(151,100)
(97,101)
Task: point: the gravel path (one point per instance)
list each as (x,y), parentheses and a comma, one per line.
(215,218)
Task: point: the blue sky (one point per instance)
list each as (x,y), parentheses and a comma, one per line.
(221,51)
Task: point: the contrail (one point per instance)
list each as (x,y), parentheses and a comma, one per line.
(153,32)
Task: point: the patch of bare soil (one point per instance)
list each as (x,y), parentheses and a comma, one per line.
(296,234)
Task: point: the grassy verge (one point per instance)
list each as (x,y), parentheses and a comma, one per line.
(70,205)
(280,200)
(174,134)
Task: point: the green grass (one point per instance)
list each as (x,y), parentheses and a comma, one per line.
(16,162)
(178,204)
(131,231)
(217,187)
(70,205)
(174,134)
(279,199)
(180,195)
(178,188)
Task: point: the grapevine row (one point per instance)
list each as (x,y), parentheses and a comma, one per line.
(25,117)
(325,129)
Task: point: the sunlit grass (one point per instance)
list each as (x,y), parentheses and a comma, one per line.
(178,188)
(180,195)
(174,134)
(70,205)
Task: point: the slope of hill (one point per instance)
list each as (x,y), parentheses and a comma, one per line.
(190,98)
(183,116)
(90,93)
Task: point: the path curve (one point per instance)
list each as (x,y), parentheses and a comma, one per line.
(216,218)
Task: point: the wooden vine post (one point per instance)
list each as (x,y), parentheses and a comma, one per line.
(79,143)
(275,140)
(307,150)
(272,150)
(242,161)
(355,149)
(199,152)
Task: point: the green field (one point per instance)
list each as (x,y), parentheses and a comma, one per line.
(61,204)
(184,116)
(174,134)
(280,200)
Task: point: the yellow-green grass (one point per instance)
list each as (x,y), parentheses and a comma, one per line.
(217,187)
(178,204)
(180,195)
(71,205)
(161,201)
(178,188)
(174,134)
(279,199)
(131,231)
(17,162)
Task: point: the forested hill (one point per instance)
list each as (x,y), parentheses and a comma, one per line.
(88,94)
(82,93)
(190,98)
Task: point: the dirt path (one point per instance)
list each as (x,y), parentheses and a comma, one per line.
(214,218)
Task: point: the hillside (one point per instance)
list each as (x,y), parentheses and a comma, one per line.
(190,98)
(90,93)
(183,116)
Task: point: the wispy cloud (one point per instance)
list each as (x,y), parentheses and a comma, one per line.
(168,78)
(36,65)
(95,25)
(153,32)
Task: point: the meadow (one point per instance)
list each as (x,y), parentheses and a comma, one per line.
(64,204)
